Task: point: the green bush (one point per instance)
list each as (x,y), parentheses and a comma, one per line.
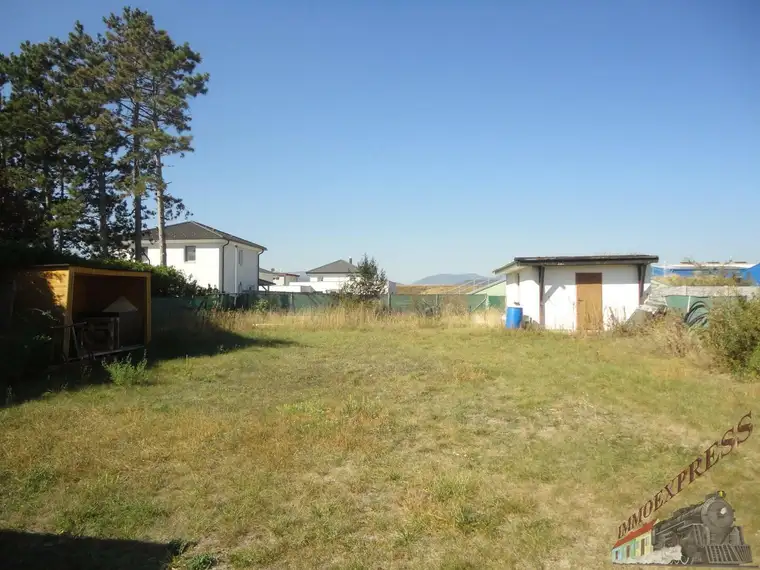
(124,373)
(165,281)
(734,334)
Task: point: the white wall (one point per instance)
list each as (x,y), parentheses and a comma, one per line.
(284,279)
(526,293)
(248,273)
(329,278)
(620,293)
(328,286)
(205,268)
(292,288)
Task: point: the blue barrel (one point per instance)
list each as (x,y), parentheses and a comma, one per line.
(514,317)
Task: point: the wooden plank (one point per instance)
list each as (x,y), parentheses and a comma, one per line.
(106,272)
(148,311)
(589,307)
(68,318)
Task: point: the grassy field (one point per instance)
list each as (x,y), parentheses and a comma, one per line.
(297,445)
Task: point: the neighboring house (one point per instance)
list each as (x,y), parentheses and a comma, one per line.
(333,276)
(741,269)
(578,292)
(492,289)
(211,257)
(278,277)
(324,279)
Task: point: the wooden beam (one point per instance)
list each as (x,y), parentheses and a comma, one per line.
(541,304)
(68,315)
(148,310)
(108,272)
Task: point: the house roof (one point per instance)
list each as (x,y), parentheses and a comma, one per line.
(624,259)
(488,286)
(85,268)
(341,267)
(635,534)
(279,273)
(265,283)
(191,230)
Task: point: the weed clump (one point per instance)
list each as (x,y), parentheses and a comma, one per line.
(733,334)
(124,373)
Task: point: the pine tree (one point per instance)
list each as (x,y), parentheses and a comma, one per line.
(86,123)
(127,45)
(104,224)
(36,156)
(172,82)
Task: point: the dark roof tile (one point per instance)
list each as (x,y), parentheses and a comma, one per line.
(341,267)
(194,230)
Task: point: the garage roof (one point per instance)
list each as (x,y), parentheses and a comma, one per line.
(624,259)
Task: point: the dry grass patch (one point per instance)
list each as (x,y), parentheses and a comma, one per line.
(378,445)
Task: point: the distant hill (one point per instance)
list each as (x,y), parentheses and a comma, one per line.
(449,279)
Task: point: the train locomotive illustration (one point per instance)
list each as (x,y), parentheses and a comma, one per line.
(700,534)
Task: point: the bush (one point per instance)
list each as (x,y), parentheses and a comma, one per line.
(165,281)
(124,373)
(734,334)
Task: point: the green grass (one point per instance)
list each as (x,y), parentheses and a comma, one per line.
(401,447)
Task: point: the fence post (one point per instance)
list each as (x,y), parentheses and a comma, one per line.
(390,296)
(291,303)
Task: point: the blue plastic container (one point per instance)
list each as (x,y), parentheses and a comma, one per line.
(514,317)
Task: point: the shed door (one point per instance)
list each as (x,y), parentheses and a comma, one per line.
(589,312)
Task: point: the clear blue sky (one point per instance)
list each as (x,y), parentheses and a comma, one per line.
(450,136)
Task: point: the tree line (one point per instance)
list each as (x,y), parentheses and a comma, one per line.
(86,126)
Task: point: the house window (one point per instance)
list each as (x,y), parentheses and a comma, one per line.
(240,257)
(189,253)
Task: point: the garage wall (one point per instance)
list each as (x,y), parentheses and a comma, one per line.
(620,293)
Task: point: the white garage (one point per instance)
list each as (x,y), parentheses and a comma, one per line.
(578,292)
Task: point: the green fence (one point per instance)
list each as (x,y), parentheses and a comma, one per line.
(166,308)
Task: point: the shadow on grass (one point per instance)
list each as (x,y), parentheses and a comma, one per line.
(205,341)
(186,335)
(29,551)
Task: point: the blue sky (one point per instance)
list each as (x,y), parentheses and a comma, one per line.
(450,136)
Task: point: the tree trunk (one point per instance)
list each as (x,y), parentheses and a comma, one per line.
(135,175)
(102,214)
(160,210)
(63,196)
(48,189)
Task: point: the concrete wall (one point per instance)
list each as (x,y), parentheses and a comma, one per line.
(522,289)
(329,278)
(292,288)
(708,291)
(620,293)
(205,268)
(237,277)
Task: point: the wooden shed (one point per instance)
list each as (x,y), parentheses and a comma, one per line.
(98,310)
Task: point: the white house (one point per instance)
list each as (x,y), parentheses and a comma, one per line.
(324,279)
(211,257)
(277,277)
(578,292)
(331,277)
